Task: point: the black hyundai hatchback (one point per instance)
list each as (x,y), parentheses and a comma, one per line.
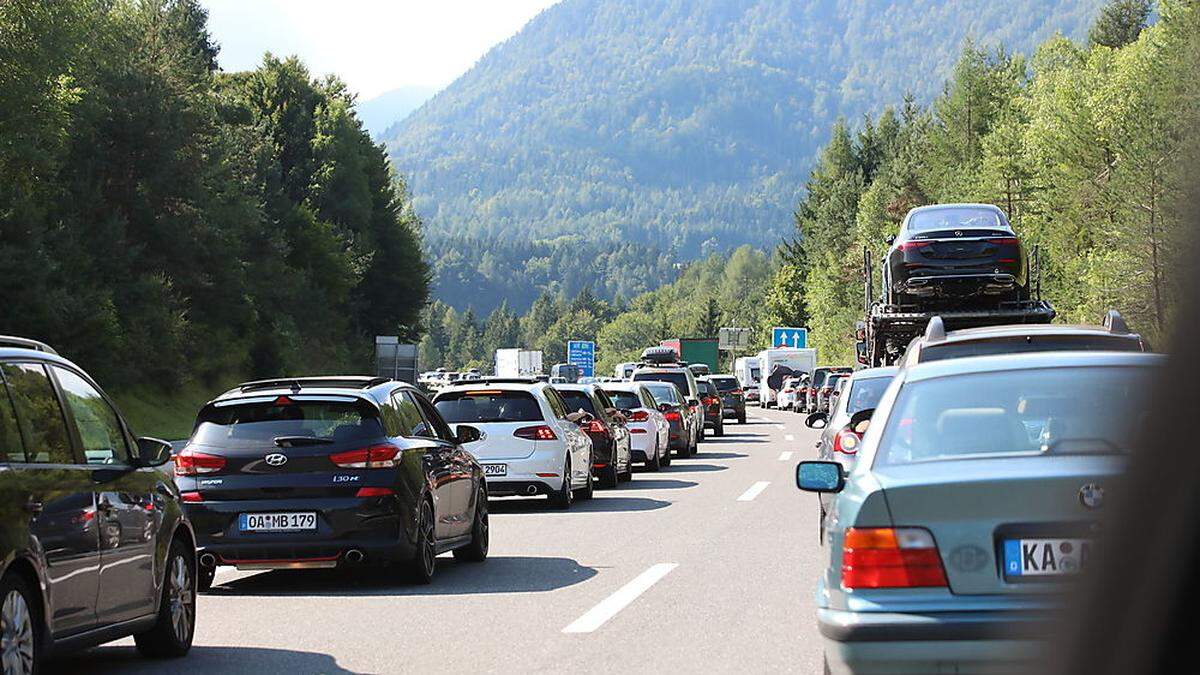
(955,254)
(95,544)
(325,471)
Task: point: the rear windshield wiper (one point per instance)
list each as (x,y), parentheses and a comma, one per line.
(293,441)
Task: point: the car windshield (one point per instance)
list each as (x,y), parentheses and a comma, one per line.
(1078,410)
(253,424)
(725,384)
(865,394)
(578,400)
(485,406)
(832,381)
(665,393)
(1020,343)
(675,377)
(953,219)
(624,400)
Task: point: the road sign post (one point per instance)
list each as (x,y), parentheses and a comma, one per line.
(782,337)
(583,354)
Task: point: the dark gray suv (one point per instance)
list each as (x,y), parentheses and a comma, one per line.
(81,502)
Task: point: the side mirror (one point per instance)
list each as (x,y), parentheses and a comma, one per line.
(820,477)
(891,239)
(693,402)
(469,434)
(861,421)
(152,452)
(817,420)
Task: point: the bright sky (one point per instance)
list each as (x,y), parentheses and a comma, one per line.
(374,45)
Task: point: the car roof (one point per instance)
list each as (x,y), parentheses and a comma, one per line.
(28,354)
(1008,330)
(502,384)
(623,386)
(364,387)
(1026,361)
(871,373)
(567,386)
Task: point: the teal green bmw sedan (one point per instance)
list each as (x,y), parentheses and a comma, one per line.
(973,503)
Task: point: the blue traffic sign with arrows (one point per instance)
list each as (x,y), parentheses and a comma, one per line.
(789,337)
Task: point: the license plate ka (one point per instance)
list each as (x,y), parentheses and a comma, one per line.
(1045,557)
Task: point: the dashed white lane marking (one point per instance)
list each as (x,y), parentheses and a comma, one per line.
(785,456)
(610,606)
(789,438)
(780,427)
(754,491)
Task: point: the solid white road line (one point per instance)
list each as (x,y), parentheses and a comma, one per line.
(785,456)
(780,427)
(608,607)
(789,438)
(754,491)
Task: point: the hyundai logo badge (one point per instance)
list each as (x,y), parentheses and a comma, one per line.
(276,459)
(1091,496)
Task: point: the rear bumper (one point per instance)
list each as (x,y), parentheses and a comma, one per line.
(937,642)
(503,487)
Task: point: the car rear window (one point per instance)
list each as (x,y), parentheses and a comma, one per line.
(1017,344)
(1078,410)
(578,400)
(488,405)
(725,383)
(953,219)
(865,394)
(665,393)
(624,400)
(675,377)
(253,424)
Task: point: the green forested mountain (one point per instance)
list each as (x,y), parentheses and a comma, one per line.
(683,127)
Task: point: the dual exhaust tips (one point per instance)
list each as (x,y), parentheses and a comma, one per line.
(352,556)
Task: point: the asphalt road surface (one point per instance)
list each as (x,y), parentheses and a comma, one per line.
(707,565)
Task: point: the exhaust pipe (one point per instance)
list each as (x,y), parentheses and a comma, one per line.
(531,490)
(208,560)
(354,556)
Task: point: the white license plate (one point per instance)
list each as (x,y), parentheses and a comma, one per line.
(1045,557)
(277,522)
(495,469)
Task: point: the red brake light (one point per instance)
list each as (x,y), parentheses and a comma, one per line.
(711,400)
(736,392)
(382,456)
(375,492)
(846,442)
(191,497)
(911,245)
(540,432)
(191,463)
(673,416)
(1004,240)
(596,427)
(884,557)
(639,416)
(283,400)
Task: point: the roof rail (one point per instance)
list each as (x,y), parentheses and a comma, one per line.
(26,343)
(936,330)
(1115,323)
(298,383)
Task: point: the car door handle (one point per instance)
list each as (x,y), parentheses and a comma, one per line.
(33,506)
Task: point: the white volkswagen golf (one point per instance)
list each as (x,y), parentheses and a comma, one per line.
(530,443)
(649,431)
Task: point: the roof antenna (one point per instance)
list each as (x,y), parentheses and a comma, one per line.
(1115,323)
(936,330)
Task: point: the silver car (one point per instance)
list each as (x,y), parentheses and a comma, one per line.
(973,502)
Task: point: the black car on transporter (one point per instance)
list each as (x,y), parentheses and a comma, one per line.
(95,544)
(949,255)
(317,472)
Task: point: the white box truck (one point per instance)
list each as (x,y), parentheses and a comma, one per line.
(799,360)
(747,372)
(518,363)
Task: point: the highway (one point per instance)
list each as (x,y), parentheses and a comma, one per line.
(708,564)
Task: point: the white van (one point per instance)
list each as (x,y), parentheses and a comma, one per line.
(799,360)
(745,369)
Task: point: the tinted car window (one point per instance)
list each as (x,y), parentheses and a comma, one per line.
(96,422)
(12,448)
(725,384)
(557,406)
(665,394)
(256,424)
(1019,343)
(578,400)
(441,430)
(625,400)
(39,412)
(950,219)
(865,394)
(1085,410)
(488,405)
(675,377)
(409,415)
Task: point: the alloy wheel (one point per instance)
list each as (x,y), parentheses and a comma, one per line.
(16,635)
(181,598)
(481,513)
(428,544)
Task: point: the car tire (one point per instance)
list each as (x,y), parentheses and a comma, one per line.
(424,563)
(742,418)
(655,461)
(565,495)
(22,622)
(477,550)
(610,476)
(205,577)
(720,430)
(589,489)
(628,475)
(171,636)
(665,459)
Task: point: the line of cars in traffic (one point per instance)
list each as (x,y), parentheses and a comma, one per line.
(109,535)
(961,490)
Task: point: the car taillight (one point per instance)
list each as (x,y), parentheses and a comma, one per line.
(736,392)
(673,416)
(1004,240)
(382,456)
(788,391)
(596,427)
(846,442)
(712,400)
(191,463)
(885,557)
(191,497)
(375,492)
(911,245)
(639,416)
(540,432)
